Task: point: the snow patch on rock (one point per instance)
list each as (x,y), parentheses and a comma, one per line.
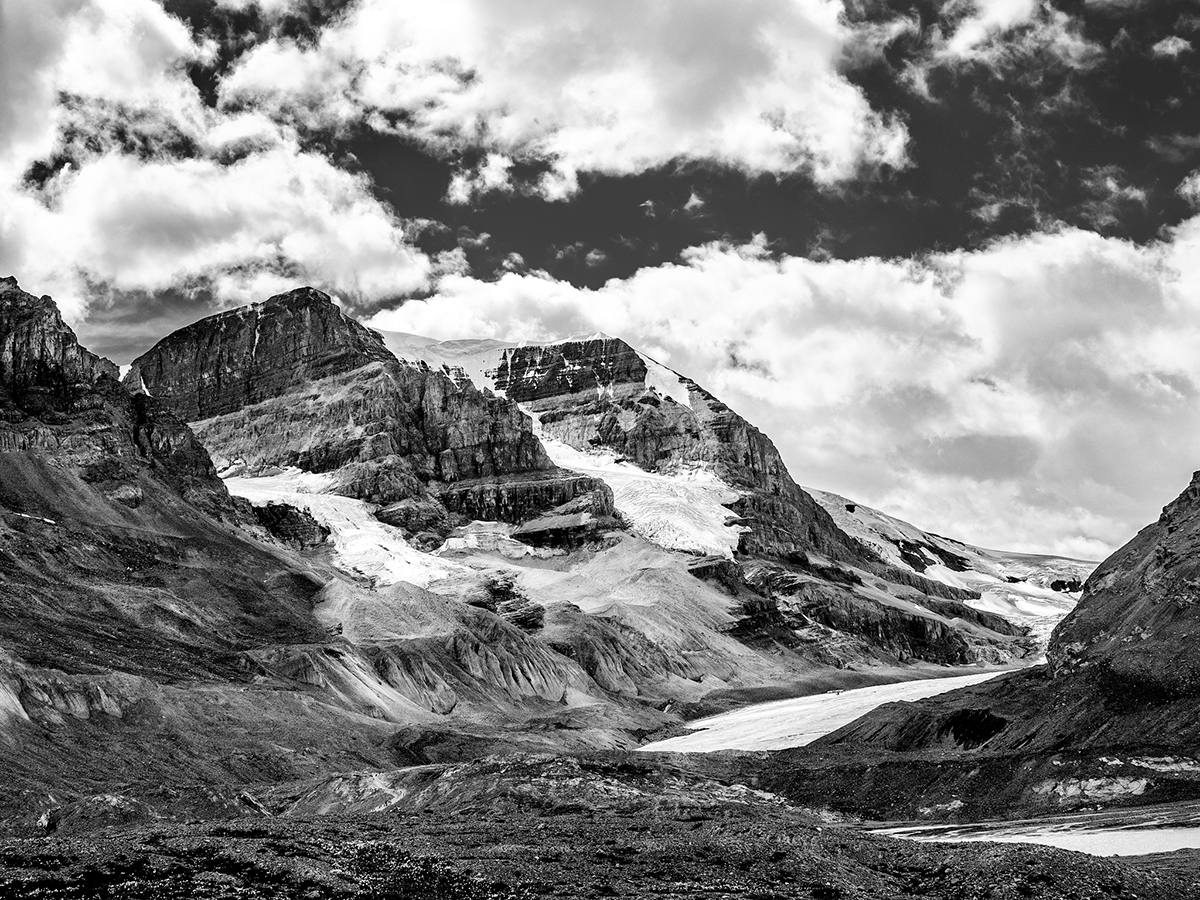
(1074,789)
(685,510)
(363,545)
(668,383)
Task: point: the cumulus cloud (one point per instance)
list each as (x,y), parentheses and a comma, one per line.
(1003,35)
(1171,46)
(1040,393)
(617,88)
(147,189)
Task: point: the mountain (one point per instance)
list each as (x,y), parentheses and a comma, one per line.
(1033,589)
(166,650)
(295,382)
(1112,718)
(178,648)
(264,686)
(689,474)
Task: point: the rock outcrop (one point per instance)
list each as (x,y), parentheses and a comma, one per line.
(65,404)
(41,362)
(295,382)
(1139,612)
(601,392)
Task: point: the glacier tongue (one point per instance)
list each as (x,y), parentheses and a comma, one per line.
(363,545)
(684,510)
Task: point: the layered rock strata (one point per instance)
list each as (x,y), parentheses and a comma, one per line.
(295,382)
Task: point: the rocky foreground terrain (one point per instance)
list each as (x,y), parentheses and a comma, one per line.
(418,624)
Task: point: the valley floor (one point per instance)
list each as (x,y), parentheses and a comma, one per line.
(794,723)
(715,853)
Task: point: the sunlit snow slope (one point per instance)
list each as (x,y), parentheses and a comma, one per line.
(1019,586)
(680,511)
(362,545)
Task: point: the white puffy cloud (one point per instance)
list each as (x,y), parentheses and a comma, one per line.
(149,226)
(126,51)
(1039,394)
(987,19)
(121,219)
(614,88)
(1172,46)
(1004,34)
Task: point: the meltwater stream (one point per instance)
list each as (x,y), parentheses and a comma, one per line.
(1080,835)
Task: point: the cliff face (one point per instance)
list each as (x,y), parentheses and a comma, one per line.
(1139,611)
(41,362)
(295,382)
(601,392)
(64,404)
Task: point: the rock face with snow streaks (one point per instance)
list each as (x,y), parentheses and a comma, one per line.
(601,393)
(295,382)
(689,474)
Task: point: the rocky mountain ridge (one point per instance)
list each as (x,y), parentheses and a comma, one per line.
(1111,719)
(171,653)
(690,474)
(293,381)
(1036,590)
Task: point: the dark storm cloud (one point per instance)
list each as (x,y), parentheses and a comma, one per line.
(1070,117)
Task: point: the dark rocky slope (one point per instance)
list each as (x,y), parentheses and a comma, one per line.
(1114,718)
(160,648)
(295,382)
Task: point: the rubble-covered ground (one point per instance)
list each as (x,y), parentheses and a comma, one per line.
(523,854)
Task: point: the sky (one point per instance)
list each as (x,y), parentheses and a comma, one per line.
(946,254)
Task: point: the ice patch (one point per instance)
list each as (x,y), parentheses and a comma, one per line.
(362,544)
(666,382)
(681,511)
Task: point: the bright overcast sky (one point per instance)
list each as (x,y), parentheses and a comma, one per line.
(946,254)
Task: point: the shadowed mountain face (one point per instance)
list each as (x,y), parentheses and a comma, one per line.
(1113,718)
